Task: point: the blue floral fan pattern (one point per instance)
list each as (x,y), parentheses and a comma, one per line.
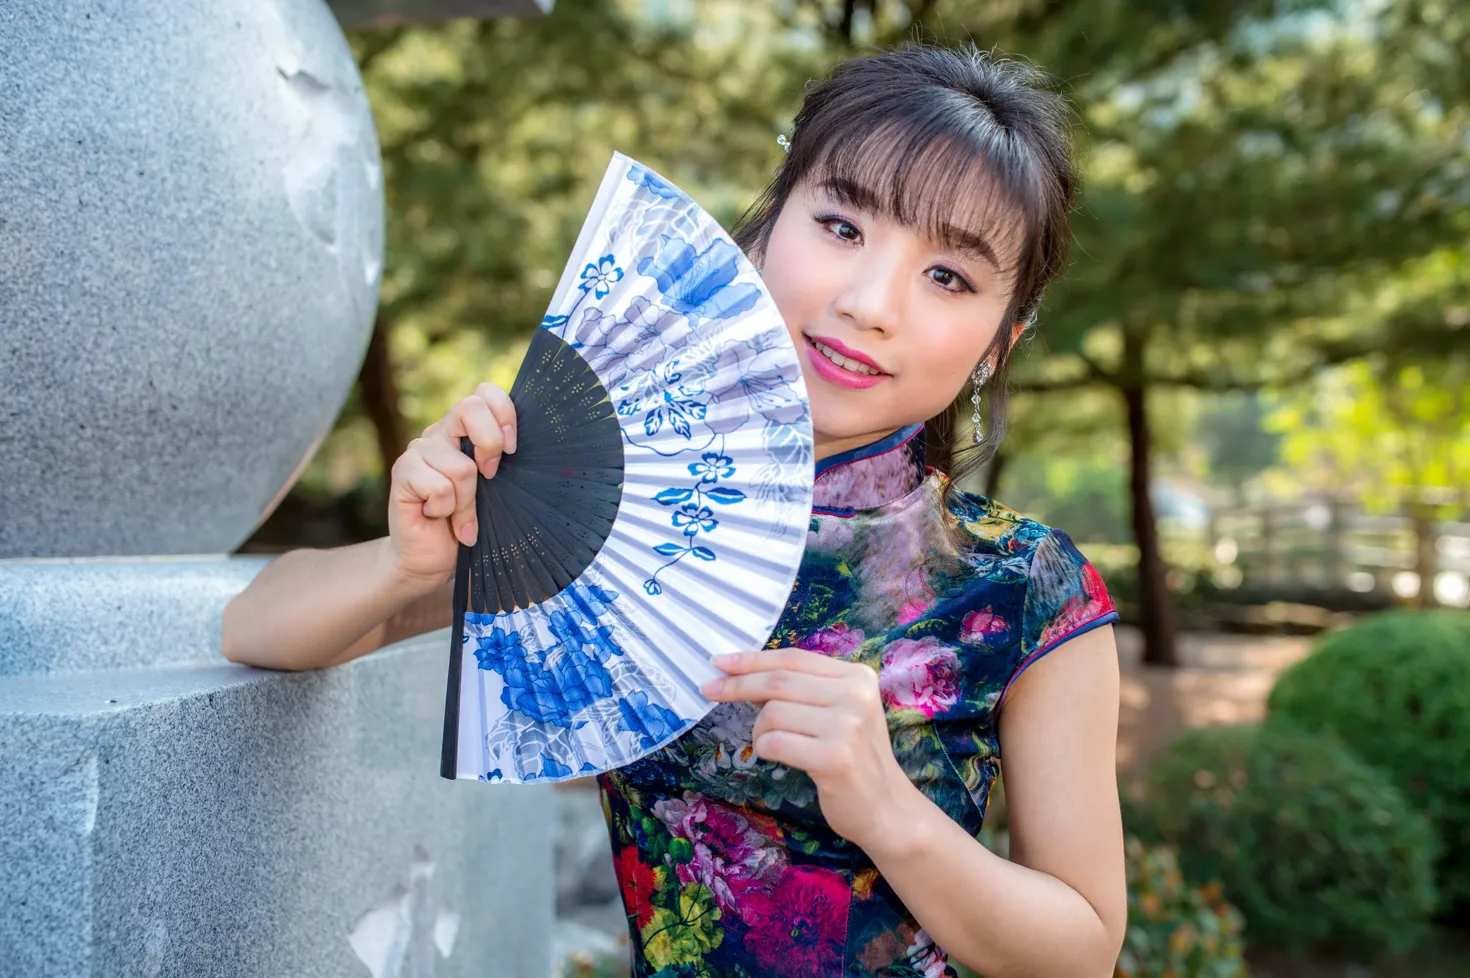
(716,495)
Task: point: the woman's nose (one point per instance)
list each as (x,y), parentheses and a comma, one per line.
(873,293)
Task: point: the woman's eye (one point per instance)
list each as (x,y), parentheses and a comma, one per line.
(836,225)
(950,280)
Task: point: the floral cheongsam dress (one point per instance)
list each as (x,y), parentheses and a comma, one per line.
(727,867)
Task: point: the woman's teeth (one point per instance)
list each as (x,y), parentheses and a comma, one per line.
(842,361)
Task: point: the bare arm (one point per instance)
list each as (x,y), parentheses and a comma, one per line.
(315,608)
(1058,906)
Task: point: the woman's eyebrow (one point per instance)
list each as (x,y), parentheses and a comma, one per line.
(851,193)
(971,244)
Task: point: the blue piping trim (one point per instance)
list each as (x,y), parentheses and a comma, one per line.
(900,437)
(1107,618)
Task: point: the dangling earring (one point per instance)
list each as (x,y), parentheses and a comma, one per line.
(977,381)
(784,143)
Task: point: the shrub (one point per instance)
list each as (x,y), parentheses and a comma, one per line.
(1174,928)
(1396,688)
(1314,847)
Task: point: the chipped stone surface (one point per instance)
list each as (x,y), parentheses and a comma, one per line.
(213,819)
(404,936)
(191,237)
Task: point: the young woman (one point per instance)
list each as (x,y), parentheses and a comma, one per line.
(822,820)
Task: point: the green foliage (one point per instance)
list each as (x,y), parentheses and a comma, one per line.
(1392,434)
(494,136)
(1268,187)
(1396,688)
(1237,443)
(1175,928)
(1314,846)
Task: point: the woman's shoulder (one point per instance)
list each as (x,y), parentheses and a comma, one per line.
(1059,592)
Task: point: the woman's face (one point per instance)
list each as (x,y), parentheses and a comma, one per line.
(908,318)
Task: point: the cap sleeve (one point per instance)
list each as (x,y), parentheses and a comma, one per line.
(1065,596)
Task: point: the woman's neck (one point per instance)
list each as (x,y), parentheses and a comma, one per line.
(826,446)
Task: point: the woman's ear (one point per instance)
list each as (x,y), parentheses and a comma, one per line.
(1017,328)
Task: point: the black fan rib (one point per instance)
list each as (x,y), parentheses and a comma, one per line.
(550,507)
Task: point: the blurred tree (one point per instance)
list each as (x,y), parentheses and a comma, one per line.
(1266,184)
(1263,182)
(1395,435)
(494,136)
(1236,440)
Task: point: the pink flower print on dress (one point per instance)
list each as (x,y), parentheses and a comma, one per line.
(978,624)
(917,596)
(728,855)
(835,640)
(798,929)
(920,674)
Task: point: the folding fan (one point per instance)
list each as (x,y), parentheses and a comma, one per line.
(655,510)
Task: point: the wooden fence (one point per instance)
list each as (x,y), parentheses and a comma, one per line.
(1335,547)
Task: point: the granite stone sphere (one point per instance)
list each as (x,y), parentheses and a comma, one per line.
(191,238)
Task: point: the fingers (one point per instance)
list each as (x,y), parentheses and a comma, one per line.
(794,750)
(487,417)
(775,684)
(442,481)
(460,470)
(504,412)
(791,659)
(805,719)
(415,481)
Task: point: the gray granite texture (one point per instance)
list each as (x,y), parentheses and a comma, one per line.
(63,614)
(367,13)
(212,819)
(191,240)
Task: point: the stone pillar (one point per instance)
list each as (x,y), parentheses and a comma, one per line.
(191,240)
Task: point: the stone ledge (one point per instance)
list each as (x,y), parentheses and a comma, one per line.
(84,613)
(226,820)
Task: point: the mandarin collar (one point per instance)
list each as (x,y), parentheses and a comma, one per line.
(872,475)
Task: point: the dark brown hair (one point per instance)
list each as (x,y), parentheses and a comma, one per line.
(937,135)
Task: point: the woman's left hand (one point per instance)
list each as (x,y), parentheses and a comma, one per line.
(823,716)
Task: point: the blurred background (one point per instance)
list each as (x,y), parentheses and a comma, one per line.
(1248,401)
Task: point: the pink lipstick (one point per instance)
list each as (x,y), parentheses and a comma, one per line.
(850,369)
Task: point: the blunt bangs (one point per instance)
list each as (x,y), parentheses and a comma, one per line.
(954,177)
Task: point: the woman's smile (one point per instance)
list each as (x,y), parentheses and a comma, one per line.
(842,366)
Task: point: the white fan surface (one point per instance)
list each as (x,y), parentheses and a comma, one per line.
(716,499)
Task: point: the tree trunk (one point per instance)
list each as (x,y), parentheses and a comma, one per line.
(844,27)
(379,393)
(1155,606)
(1425,562)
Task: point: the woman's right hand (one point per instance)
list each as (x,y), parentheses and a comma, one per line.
(431,504)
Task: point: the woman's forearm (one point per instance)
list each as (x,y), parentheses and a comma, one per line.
(999,918)
(313,608)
